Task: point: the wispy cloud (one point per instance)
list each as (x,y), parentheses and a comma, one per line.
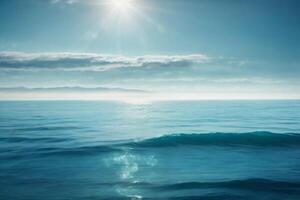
(64,1)
(90,62)
(76,89)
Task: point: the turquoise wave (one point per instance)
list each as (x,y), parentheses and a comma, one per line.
(258,138)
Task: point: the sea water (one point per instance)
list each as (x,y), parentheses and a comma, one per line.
(61,150)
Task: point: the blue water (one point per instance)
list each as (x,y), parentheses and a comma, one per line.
(60,150)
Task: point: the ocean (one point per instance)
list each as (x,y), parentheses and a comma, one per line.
(181,150)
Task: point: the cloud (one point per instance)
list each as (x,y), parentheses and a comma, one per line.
(64,1)
(76,89)
(91,62)
(74,93)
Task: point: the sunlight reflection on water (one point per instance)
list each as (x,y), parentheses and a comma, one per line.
(128,165)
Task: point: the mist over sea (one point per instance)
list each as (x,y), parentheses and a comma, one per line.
(90,150)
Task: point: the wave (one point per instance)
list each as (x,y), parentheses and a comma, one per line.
(76,151)
(218,189)
(259,138)
(47,128)
(247,184)
(198,197)
(17,139)
(57,151)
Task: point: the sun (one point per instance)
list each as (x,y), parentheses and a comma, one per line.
(124,16)
(121,13)
(122,5)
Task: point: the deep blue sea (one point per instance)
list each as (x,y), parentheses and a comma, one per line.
(181,150)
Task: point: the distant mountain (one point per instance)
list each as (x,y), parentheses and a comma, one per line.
(70,90)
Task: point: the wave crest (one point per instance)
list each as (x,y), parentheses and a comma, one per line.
(259,138)
(247,184)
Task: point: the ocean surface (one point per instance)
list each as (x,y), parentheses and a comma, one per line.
(184,150)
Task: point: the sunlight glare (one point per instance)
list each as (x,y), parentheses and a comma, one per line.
(122,5)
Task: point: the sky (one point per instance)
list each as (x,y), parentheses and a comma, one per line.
(168,49)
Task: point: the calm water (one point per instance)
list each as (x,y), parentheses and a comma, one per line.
(166,150)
